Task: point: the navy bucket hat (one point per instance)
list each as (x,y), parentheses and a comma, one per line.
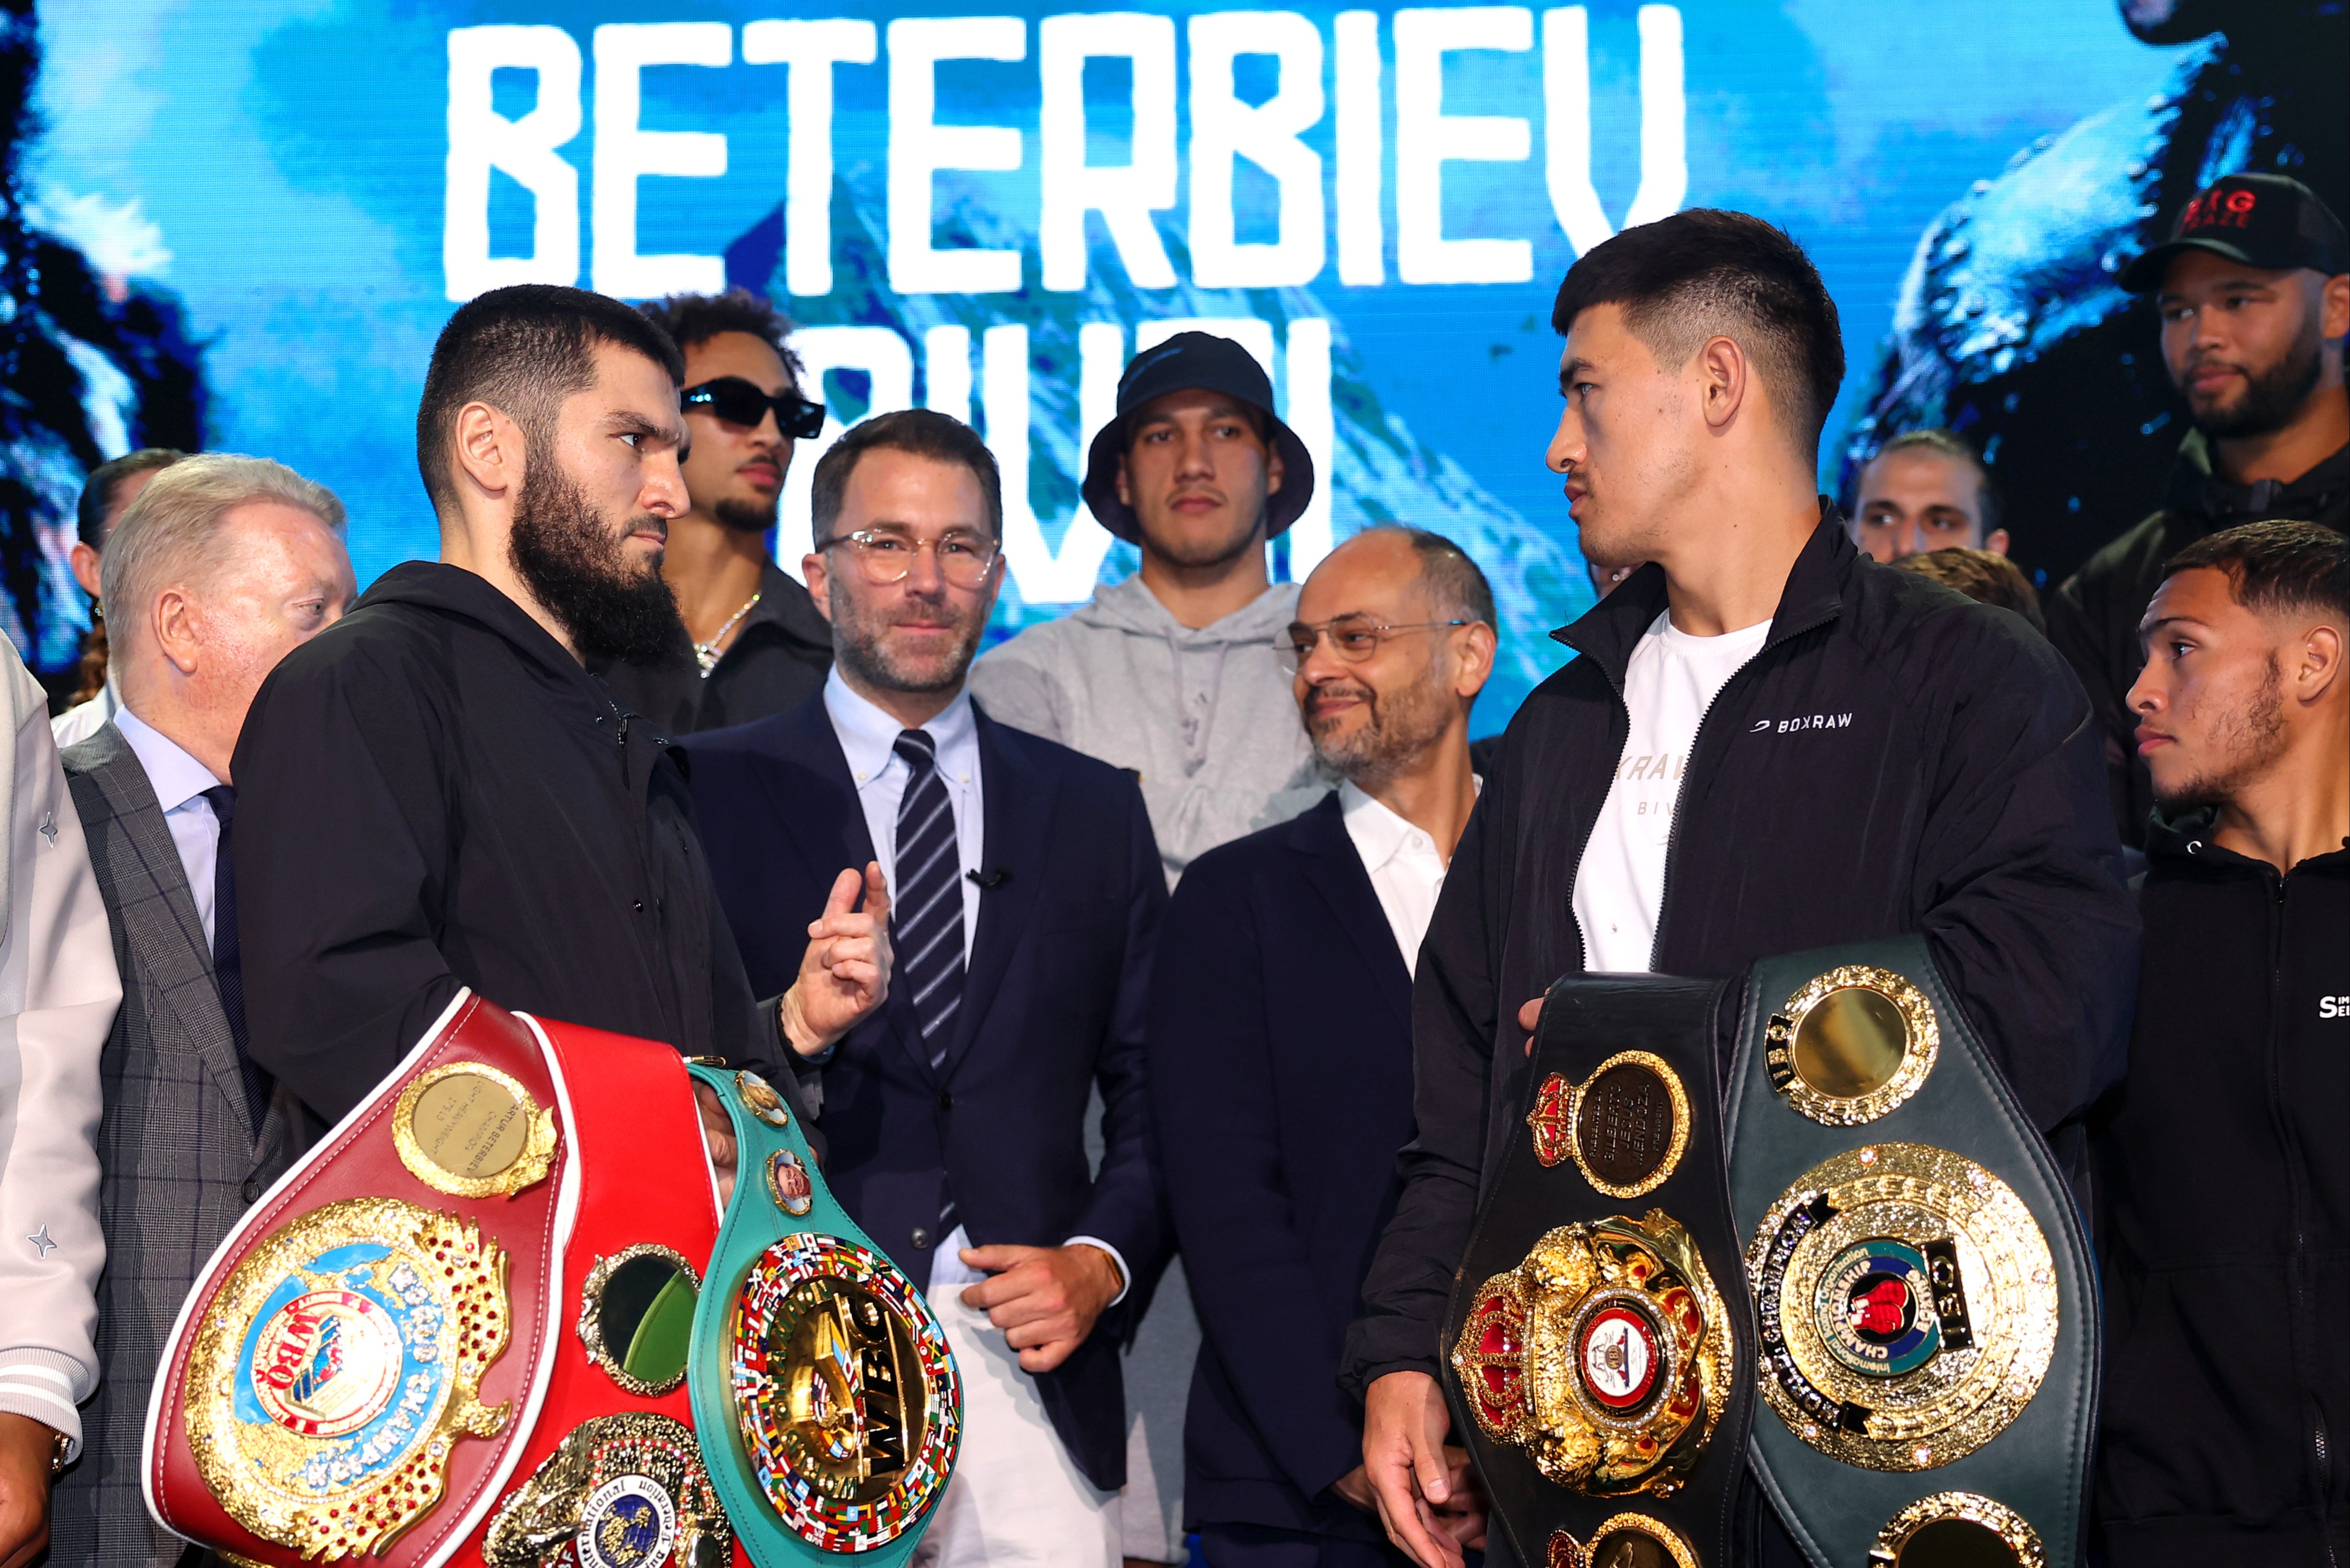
(1194,361)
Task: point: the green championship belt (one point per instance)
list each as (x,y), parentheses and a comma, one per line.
(1927,1333)
(824,1393)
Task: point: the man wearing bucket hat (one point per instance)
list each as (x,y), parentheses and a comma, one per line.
(1171,673)
(2251,293)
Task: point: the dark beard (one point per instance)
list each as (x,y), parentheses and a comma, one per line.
(748,516)
(2256,739)
(563,549)
(1401,726)
(2270,398)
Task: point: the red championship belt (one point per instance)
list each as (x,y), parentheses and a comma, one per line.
(611,1477)
(445,1335)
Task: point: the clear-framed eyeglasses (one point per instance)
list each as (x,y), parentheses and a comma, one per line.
(885,557)
(1353,638)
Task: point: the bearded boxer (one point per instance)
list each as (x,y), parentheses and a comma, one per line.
(436,794)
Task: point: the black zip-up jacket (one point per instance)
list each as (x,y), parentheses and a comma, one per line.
(431,794)
(1896,759)
(2224,1177)
(2092,618)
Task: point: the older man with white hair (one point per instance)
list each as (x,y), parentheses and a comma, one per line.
(222,566)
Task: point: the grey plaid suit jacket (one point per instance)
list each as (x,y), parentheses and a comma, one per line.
(178,1157)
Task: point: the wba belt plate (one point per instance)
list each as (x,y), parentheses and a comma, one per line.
(1599,1344)
(1926,1313)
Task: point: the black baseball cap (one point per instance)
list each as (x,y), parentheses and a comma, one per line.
(2264,221)
(1186,362)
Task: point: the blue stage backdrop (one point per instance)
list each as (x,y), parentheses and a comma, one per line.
(244,221)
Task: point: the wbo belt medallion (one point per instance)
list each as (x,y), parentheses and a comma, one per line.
(1908,1307)
(343,1360)
(1604,1355)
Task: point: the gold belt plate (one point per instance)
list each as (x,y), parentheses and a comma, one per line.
(335,1371)
(1605,1355)
(1907,1305)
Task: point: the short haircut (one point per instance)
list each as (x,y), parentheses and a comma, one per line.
(97,490)
(922,432)
(1707,274)
(171,534)
(692,318)
(1456,585)
(1943,444)
(523,351)
(1985,576)
(2276,567)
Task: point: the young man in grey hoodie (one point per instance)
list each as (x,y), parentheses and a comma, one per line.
(1171,672)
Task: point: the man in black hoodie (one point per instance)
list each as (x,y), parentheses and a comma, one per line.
(440,795)
(2224,1157)
(1768,743)
(2252,293)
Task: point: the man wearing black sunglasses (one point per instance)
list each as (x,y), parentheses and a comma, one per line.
(754,644)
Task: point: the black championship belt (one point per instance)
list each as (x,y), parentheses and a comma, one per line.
(1598,1347)
(1927,1318)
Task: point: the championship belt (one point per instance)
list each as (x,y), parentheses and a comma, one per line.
(354,1371)
(1598,1344)
(435,1339)
(611,1475)
(824,1393)
(1927,1317)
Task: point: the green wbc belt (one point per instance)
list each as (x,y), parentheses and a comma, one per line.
(1927,1326)
(1599,1350)
(824,1395)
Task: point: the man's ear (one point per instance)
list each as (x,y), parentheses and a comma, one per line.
(86,569)
(1724,381)
(174,625)
(1125,492)
(1274,469)
(1996,542)
(814,573)
(2317,671)
(2336,308)
(1473,649)
(489,448)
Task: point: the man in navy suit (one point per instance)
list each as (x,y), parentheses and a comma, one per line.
(1025,894)
(1281,1065)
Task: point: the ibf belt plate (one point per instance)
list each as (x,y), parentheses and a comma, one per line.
(1908,1306)
(338,1367)
(843,1391)
(1605,1355)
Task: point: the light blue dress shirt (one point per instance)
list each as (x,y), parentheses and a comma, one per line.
(180,781)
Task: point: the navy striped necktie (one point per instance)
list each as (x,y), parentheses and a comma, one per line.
(926,917)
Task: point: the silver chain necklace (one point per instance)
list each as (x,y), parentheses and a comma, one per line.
(706,654)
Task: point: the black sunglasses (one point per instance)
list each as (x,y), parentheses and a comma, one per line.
(741,402)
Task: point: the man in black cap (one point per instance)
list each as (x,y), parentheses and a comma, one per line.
(2253,290)
(1171,673)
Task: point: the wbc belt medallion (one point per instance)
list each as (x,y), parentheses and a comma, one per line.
(1604,1354)
(340,1363)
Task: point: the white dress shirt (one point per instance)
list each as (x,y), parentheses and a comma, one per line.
(1407,870)
(868,740)
(180,784)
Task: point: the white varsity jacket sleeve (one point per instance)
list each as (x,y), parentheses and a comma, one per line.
(58,992)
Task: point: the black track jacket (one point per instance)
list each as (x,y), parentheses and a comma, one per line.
(2223,1166)
(432,793)
(1896,759)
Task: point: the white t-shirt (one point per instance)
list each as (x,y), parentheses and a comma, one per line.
(1672,679)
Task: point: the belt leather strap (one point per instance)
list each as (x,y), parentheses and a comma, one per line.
(824,1393)
(1598,1351)
(1929,1318)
